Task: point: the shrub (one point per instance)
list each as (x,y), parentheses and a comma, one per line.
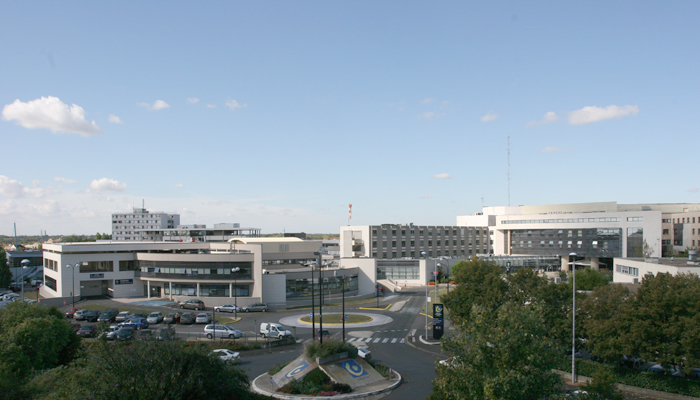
(328,348)
(277,368)
(381,368)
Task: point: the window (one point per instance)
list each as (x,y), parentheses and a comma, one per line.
(50,282)
(632,219)
(665,231)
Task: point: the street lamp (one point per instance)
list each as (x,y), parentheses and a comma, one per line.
(235,291)
(25,263)
(424,254)
(435,275)
(573,319)
(342,278)
(72,293)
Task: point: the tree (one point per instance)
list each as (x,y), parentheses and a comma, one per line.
(145,370)
(477,282)
(602,386)
(665,319)
(5,274)
(501,355)
(589,279)
(647,250)
(32,338)
(605,322)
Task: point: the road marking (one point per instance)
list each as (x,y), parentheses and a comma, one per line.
(377,340)
(393,340)
(402,340)
(351,340)
(385,340)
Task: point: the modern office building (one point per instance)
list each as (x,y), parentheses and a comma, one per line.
(598,232)
(393,241)
(248,270)
(633,270)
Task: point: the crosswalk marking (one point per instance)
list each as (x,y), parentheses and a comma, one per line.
(377,340)
(393,340)
(383,340)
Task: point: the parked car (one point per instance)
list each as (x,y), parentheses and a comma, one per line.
(167,334)
(227,355)
(195,304)
(145,334)
(138,315)
(87,331)
(229,308)
(155,318)
(70,312)
(125,333)
(262,307)
(122,316)
(274,330)
(203,318)
(137,323)
(222,331)
(172,318)
(10,297)
(364,353)
(75,326)
(110,333)
(91,316)
(108,315)
(80,314)
(187,318)
(323,334)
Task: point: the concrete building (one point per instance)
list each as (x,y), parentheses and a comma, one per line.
(270,270)
(129,226)
(389,241)
(633,270)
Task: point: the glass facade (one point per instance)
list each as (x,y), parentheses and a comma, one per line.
(202,270)
(588,242)
(398,269)
(635,242)
(302,287)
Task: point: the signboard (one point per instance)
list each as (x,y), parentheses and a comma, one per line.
(438,320)
(97,276)
(123,281)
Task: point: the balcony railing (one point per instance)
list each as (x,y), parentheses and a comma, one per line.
(194,277)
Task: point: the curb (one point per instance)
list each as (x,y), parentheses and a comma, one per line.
(408,342)
(307,397)
(377,309)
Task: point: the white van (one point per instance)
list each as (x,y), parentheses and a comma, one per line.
(274,330)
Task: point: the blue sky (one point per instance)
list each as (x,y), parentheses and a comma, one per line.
(277,115)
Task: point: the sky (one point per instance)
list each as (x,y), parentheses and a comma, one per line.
(279,115)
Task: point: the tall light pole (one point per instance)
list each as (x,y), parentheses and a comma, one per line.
(573,321)
(435,275)
(72,293)
(234,271)
(423,254)
(25,263)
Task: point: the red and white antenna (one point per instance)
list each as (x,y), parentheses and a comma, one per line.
(349,214)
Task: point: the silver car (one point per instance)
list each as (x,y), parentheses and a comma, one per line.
(202,318)
(262,307)
(222,331)
(230,308)
(155,318)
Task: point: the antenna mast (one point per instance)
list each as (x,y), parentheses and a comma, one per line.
(508,171)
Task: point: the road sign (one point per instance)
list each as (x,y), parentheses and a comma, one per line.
(311,315)
(435,272)
(346,317)
(438,320)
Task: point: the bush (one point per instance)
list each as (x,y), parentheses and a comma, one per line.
(381,368)
(329,347)
(315,383)
(277,368)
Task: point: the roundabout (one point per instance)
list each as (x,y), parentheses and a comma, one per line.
(334,321)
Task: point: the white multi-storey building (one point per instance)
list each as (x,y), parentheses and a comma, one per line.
(130,226)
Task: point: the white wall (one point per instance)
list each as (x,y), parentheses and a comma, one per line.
(274,289)
(367,274)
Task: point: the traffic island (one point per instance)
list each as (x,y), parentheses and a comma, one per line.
(329,370)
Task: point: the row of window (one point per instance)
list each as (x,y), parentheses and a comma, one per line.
(438,231)
(560,244)
(412,254)
(623,269)
(51,264)
(566,220)
(430,243)
(185,289)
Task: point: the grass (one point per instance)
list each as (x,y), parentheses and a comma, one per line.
(336,319)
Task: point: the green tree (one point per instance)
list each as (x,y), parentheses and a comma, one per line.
(477,283)
(32,338)
(665,319)
(602,386)
(145,370)
(504,354)
(605,322)
(5,274)
(589,279)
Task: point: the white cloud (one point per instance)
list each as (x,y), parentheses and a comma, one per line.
(157,105)
(430,114)
(233,105)
(489,117)
(549,117)
(426,196)
(178,185)
(13,189)
(551,149)
(63,180)
(443,175)
(694,189)
(589,114)
(193,100)
(50,113)
(426,100)
(211,105)
(114,119)
(107,184)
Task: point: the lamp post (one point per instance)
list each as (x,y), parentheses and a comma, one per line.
(72,293)
(234,271)
(25,263)
(573,321)
(342,279)
(435,275)
(423,254)
(320,300)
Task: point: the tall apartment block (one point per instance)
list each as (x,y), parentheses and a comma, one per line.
(129,226)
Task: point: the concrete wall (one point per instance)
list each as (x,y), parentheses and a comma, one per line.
(367,273)
(274,290)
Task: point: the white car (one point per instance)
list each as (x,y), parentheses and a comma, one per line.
(364,353)
(155,318)
(227,355)
(10,297)
(111,332)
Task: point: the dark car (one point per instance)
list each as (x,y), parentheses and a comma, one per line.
(145,334)
(91,316)
(87,331)
(167,334)
(187,318)
(262,307)
(172,318)
(75,326)
(108,315)
(138,315)
(125,333)
(323,334)
(195,304)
